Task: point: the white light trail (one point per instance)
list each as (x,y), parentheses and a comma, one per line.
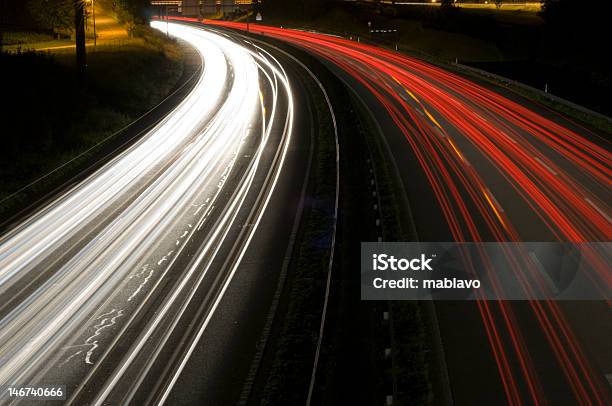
(125,211)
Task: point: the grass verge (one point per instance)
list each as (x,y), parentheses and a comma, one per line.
(289,375)
(51,119)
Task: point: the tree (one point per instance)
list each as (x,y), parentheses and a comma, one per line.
(79,36)
(56,15)
(585,20)
(578,32)
(2,14)
(131,13)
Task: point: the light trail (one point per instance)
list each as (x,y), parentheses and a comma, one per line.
(474,146)
(110,241)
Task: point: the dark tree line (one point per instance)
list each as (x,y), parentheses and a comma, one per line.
(132,10)
(58,15)
(294,8)
(579,28)
(577,16)
(55,15)
(69,16)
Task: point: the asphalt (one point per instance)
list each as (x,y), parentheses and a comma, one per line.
(216,372)
(522,196)
(232,301)
(472,370)
(218,359)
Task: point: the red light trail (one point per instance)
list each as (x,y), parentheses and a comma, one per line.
(448,120)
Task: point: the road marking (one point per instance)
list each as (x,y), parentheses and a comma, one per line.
(511,139)
(545,166)
(452,144)
(145,281)
(432,118)
(497,209)
(406,90)
(603,213)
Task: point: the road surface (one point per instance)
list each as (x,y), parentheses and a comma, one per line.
(481,164)
(112,287)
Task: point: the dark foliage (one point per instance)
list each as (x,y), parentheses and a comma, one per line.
(577,18)
(578,34)
(55,15)
(47,87)
(47,115)
(130,9)
(294,9)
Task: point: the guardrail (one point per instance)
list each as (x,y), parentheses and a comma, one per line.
(540,92)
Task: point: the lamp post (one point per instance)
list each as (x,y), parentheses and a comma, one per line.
(93,12)
(79,34)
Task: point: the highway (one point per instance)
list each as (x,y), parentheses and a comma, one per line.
(110,288)
(478,163)
(165,260)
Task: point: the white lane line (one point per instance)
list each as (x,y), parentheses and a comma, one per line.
(218,235)
(596,207)
(144,282)
(286,140)
(551,170)
(494,200)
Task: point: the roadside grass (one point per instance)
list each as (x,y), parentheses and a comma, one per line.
(294,352)
(590,120)
(533,7)
(50,118)
(529,7)
(25,37)
(23,41)
(518,15)
(110,31)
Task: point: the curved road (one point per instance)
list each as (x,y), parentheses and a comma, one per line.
(481,164)
(116,287)
(110,288)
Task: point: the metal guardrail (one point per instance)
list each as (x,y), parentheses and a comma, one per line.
(431,59)
(540,92)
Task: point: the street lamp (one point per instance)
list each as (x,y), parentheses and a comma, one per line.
(79,37)
(93,12)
